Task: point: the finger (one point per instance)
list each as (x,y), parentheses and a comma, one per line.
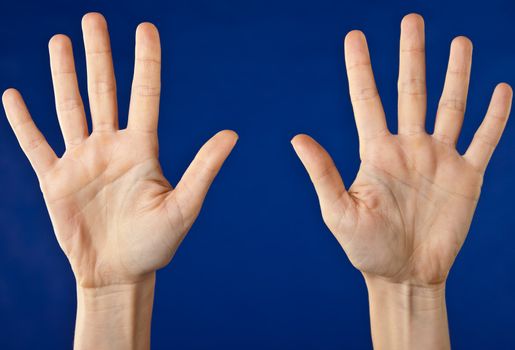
(451,109)
(321,169)
(194,184)
(32,142)
(146,84)
(489,133)
(101,80)
(368,111)
(412,76)
(68,102)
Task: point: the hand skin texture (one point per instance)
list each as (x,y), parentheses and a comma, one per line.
(407,214)
(115,215)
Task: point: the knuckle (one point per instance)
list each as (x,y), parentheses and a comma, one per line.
(69,105)
(22,124)
(100,126)
(459,73)
(443,138)
(364,94)
(101,87)
(359,65)
(75,141)
(148,61)
(498,117)
(453,104)
(145,90)
(33,143)
(486,139)
(413,50)
(412,86)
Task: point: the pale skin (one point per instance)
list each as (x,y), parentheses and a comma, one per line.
(404,219)
(115,215)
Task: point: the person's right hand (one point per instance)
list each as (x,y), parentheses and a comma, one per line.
(115,215)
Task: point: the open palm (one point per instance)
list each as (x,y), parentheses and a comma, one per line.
(408,212)
(115,215)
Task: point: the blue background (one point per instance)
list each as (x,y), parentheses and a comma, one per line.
(258,270)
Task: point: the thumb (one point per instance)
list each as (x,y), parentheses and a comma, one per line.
(322,171)
(191,190)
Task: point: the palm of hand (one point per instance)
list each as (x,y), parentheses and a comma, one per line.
(111,208)
(115,215)
(414,200)
(408,212)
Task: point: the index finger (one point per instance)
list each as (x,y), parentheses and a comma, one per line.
(368,110)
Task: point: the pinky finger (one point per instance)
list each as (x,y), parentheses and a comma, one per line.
(33,143)
(489,133)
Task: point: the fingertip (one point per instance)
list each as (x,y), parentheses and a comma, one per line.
(231,133)
(10,95)
(412,21)
(147,30)
(463,43)
(300,139)
(355,47)
(59,42)
(505,89)
(305,145)
(503,94)
(148,42)
(227,133)
(354,38)
(228,136)
(319,165)
(93,19)
(295,138)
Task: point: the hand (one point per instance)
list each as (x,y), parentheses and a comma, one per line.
(115,215)
(408,212)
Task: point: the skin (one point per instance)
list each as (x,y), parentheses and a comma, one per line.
(115,215)
(407,214)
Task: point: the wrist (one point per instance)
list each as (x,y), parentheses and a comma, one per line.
(407,316)
(115,316)
(408,298)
